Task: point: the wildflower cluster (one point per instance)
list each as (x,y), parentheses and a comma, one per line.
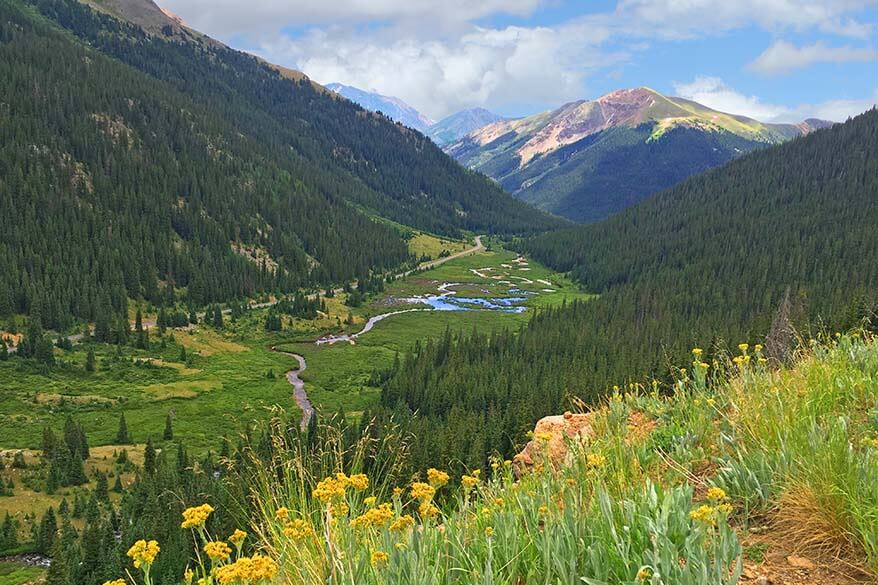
(709,514)
(471,481)
(217,551)
(379,559)
(196,517)
(143,553)
(595,460)
(373,517)
(253,569)
(331,488)
(437,478)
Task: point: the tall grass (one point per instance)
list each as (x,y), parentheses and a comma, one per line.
(656,496)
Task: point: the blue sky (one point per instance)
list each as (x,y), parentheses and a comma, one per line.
(776,60)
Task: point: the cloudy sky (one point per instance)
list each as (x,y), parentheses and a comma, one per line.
(775,60)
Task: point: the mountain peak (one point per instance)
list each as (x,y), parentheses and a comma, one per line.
(454,127)
(393,107)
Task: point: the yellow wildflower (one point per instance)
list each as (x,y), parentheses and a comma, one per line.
(543,436)
(743,347)
(196,516)
(298,529)
(499,502)
(725,509)
(704,515)
(217,551)
(373,517)
(489,531)
(282,513)
(115,582)
(399,545)
(697,351)
(644,574)
(188,575)
(143,552)
(469,481)
(370,501)
(437,478)
(359,481)
(595,460)
(397,492)
(330,488)
(402,523)
(379,558)
(544,510)
(423,491)
(757,348)
(237,537)
(428,510)
(716,494)
(247,569)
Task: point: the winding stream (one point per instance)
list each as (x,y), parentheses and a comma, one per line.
(299,394)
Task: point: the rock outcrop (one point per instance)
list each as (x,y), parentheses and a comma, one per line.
(552,439)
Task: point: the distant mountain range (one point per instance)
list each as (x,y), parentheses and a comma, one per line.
(589,159)
(456,126)
(445,131)
(393,108)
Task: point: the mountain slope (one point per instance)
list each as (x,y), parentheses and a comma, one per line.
(394,108)
(193,162)
(589,159)
(457,125)
(779,239)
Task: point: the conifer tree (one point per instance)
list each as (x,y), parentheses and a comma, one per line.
(168,435)
(149,458)
(46,535)
(122,436)
(90,360)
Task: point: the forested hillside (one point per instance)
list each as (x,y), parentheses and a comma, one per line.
(782,239)
(130,165)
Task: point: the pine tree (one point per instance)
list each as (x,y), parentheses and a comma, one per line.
(149,456)
(90,360)
(102,492)
(168,435)
(140,339)
(46,535)
(162,321)
(8,534)
(122,437)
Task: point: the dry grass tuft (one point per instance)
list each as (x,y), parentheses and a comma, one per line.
(815,526)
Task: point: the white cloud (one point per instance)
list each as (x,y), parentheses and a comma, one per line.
(687,18)
(441,56)
(783,57)
(839,110)
(485,66)
(714,93)
(234,17)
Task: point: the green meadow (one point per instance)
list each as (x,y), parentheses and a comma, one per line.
(213,383)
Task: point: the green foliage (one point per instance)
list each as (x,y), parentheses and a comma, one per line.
(193,147)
